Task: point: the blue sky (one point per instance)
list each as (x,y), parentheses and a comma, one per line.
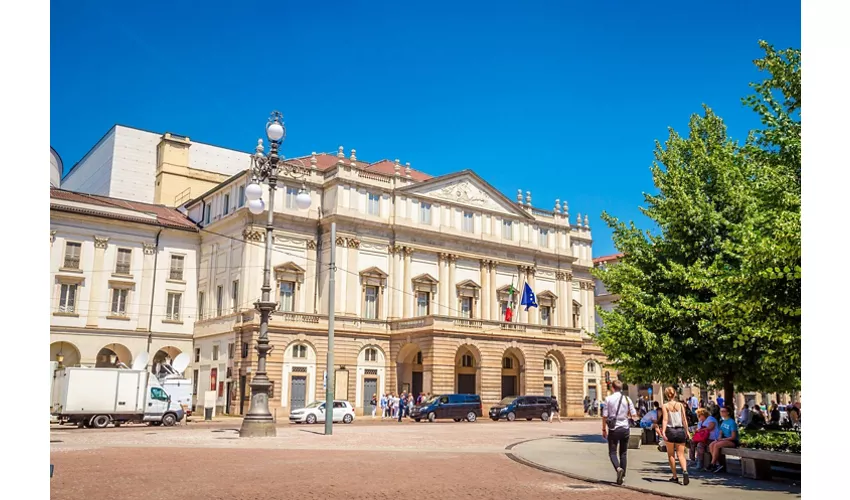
(576,92)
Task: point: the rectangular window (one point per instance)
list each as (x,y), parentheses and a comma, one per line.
(287,296)
(468,222)
(207,214)
(119,301)
(122,262)
(291,193)
(219,299)
(215,353)
(546,315)
(234,295)
(197,355)
(543,240)
(466,307)
(72,255)
(172,309)
(503,309)
(176,272)
(221,389)
(68,298)
(374,204)
(231,350)
(240,202)
(423,303)
(201,297)
(425,213)
(226,208)
(371,311)
(507,230)
(194,382)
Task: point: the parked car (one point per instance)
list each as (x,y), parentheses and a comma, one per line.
(315,412)
(455,406)
(527,407)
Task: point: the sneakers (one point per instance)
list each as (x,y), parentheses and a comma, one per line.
(685,479)
(718,469)
(674,480)
(620,474)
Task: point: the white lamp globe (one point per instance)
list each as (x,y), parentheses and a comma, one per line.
(253,192)
(302,201)
(256,207)
(274,131)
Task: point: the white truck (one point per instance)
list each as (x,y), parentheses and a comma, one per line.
(96,397)
(175,384)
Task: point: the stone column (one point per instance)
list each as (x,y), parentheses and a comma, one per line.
(568,296)
(391,282)
(146,281)
(398,282)
(585,304)
(98,277)
(484,292)
(451,296)
(522,316)
(408,300)
(494,296)
(353,289)
(442,294)
(591,307)
(534,312)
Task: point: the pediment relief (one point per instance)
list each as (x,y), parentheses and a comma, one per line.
(373,272)
(425,278)
(289,272)
(467,189)
(468,284)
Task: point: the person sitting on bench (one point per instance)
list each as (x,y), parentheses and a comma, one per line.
(728,439)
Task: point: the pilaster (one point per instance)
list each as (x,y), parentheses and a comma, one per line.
(484,301)
(353,289)
(147,280)
(534,312)
(494,296)
(442,294)
(522,316)
(451,298)
(568,310)
(408,298)
(98,277)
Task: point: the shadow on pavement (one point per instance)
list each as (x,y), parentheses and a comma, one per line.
(582,438)
(710,479)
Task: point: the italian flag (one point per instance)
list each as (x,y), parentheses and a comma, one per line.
(509,311)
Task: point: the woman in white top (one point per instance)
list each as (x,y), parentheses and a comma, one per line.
(676,434)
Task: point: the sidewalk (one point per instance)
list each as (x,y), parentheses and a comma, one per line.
(585,457)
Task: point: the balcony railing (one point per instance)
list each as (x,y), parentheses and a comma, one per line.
(72,263)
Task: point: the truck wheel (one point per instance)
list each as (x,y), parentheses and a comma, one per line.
(169,419)
(100,421)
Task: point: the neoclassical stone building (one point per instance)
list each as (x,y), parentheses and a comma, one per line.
(423,269)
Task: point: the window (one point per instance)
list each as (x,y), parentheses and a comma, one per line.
(466,361)
(591,367)
(299,351)
(201,300)
(221,389)
(197,355)
(576,314)
(468,222)
(122,263)
(547,364)
(287,296)
(374,205)
(425,213)
(371,311)
(240,201)
(194,382)
(466,307)
(507,230)
(119,301)
(291,193)
(423,303)
(219,298)
(68,298)
(244,349)
(503,309)
(215,352)
(207,214)
(226,208)
(371,354)
(543,239)
(158,394)
(72,255)
(546,315)
(234,295)
(176,268)
(172,309)
(419,358)
(507,363)
(231,350)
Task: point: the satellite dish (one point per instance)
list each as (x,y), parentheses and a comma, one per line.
(141,361)
(180,362)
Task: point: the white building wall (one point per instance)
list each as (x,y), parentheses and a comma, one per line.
(134,164)
(93,173)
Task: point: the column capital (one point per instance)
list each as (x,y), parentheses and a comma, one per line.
(100,241)
(353,242)
(251,234)
(311,245)
(149,248)
(340,241)
(408,251)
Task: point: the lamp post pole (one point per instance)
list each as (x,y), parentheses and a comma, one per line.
(258,422)
(329,386)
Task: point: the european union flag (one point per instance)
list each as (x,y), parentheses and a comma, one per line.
(528,298)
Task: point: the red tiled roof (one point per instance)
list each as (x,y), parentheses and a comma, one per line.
(165,216)
(387,167)
(607,258)
(326,161)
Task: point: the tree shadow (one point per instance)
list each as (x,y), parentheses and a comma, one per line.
(582,438)
(657,471)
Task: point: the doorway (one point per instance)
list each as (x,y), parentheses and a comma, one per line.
(416,386)
(298,392)
(465,384)
(228,398)
(370,386)
(243,394)
(509,386)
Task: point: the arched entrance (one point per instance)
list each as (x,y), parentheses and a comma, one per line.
(513,367)
(298,387)
(65,353)
(165,355)
(370,376)
(467,364)
(409,369)
(113,354)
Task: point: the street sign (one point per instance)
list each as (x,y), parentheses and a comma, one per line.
(325,381)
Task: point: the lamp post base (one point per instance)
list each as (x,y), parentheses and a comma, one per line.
(257,428)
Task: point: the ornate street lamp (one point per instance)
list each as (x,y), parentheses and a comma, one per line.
(258,422)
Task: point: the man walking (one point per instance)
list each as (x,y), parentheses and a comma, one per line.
(617,410)
(693,402)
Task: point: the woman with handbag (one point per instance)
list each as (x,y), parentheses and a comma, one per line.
(676,434)
(707,430)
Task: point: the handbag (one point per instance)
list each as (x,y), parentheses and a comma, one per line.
(701,436)
(612,421)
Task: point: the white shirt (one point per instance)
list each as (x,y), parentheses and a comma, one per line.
(627,408)
(694,403)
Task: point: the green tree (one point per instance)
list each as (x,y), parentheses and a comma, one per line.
(714,294)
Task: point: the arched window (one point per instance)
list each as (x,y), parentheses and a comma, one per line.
(591,367)
(299,351)
(547,364)
(371,354)
(507,363)
(466,361)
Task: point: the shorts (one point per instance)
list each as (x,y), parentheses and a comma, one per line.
(676,435)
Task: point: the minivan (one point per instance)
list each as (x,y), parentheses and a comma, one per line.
(527,407)
(455,406)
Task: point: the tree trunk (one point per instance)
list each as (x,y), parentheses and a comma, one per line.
(729,392)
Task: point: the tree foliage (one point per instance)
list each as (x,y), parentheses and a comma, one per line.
(715,295)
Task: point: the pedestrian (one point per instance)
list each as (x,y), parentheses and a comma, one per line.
(383,406)
(659,420)
(374,404)
(617,410)
(676,434)
(720,401)
(554,410)
(774,413)
(794,414)
(707,431)
(744,416)
(390,405)
(693,403)
(411,402)
(728,439)
(402,403)
(586,405)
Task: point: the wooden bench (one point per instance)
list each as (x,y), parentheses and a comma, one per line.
(755,464)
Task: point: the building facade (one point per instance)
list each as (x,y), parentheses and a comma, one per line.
(123,280)
(424,266)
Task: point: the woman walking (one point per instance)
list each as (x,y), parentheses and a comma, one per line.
(676,434)
(374,404)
